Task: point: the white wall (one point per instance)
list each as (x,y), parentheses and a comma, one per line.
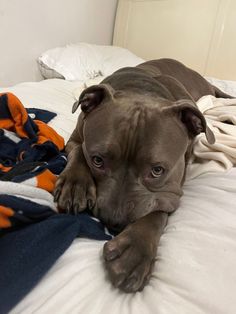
(29,27)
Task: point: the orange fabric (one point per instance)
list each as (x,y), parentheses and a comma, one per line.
(46,133)
(4,169)
(5,213)
(19,116)
(46,180)
(7,124)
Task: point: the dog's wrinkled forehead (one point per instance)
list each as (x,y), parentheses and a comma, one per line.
(133,130)
(108,110)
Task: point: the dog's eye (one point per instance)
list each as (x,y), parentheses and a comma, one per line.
(157,171)
(97,161)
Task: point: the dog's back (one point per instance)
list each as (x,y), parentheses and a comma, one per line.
(166,78)
(192,81)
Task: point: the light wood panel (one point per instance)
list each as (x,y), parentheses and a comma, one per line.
(199,33)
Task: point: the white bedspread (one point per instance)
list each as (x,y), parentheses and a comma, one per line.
(196,261)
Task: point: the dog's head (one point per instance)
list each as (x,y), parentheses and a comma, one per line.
(135,146)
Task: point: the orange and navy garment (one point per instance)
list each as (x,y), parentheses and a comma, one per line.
(32,234)
(31,153)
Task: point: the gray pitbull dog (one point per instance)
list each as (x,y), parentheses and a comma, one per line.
(127,159)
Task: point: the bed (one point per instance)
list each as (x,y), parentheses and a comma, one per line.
(195,263)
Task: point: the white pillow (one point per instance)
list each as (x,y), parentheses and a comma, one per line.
(47,72)
(84,61)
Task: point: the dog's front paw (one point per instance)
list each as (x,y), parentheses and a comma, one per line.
(74,191)
(129,260)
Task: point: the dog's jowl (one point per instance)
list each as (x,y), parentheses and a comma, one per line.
(127,159)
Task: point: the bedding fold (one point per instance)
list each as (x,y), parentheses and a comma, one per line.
(220,114)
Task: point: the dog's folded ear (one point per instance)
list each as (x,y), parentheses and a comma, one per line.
(93,96)
(193,119)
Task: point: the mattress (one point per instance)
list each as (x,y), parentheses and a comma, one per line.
(195,264)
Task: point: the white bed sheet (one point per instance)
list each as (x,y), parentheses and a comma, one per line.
(195,270)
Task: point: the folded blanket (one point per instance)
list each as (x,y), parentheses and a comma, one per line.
(32,234)
(220,115)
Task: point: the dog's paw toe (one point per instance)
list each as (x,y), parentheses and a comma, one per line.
(127,263)
(73,194)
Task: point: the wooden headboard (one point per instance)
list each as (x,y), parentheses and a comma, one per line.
(199,33)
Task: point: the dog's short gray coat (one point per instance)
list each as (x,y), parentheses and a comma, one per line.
(127,158)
